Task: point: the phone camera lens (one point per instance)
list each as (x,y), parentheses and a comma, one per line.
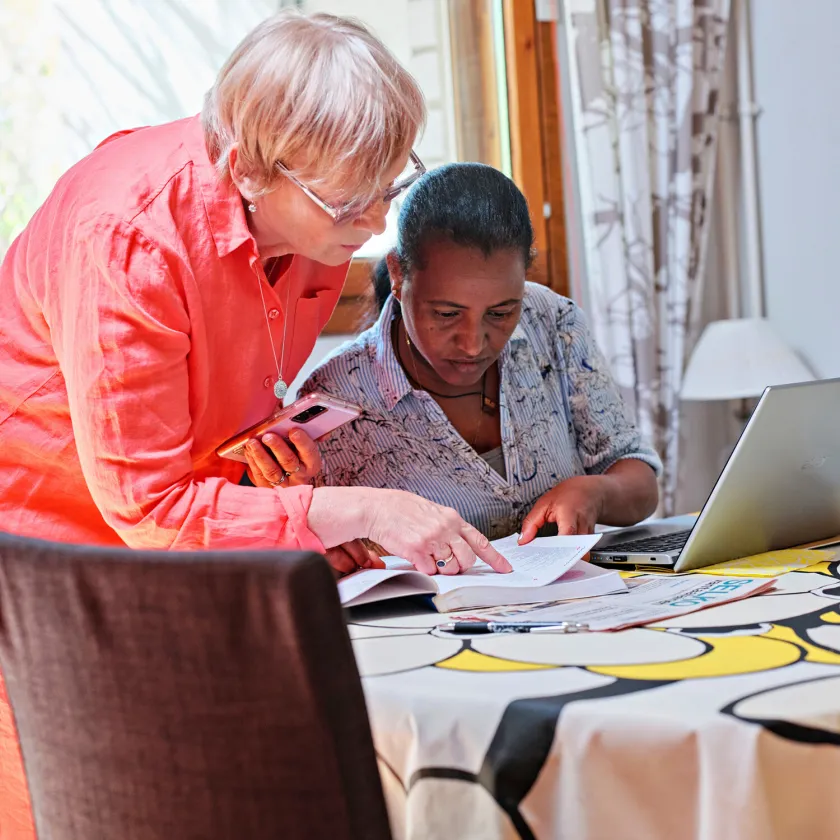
(308,414)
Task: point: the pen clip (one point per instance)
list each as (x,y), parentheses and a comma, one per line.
(564,627)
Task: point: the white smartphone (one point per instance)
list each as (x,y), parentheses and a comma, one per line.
(317,414)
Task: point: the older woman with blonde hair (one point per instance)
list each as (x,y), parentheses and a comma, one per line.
(172,284)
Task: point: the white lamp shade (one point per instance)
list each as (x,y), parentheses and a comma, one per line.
(739,358)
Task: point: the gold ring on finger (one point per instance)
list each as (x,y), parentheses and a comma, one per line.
(442,564)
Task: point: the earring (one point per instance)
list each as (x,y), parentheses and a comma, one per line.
(252,207)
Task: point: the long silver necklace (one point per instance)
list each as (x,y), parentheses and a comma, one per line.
(280,386)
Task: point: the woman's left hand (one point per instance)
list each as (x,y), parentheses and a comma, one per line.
(575,505)
(351,557)
(274,462)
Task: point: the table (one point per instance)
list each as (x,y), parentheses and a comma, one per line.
(720,725)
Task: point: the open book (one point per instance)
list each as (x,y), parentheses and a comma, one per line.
(547,569)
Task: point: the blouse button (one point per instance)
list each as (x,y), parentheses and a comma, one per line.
(267,382)
(273,313)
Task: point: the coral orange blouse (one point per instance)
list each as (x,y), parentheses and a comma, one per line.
(133,341)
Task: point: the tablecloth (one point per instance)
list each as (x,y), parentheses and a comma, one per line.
(720,725)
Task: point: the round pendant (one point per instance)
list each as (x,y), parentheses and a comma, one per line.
(280,389)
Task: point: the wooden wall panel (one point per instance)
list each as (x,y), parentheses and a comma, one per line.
(535,135)
(474,77)
(355,310)
(551,134)
(524,109)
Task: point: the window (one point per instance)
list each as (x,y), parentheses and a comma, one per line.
(455,50)
(74,71)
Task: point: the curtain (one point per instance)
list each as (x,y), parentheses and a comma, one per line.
(27,124)
(74,71)
(645,80)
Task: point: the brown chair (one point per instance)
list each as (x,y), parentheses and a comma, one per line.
(172,696)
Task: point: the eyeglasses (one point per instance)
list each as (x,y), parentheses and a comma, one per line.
(351,209)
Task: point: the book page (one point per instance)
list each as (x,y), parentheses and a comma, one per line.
(539,563)
(352,588)
(397,586)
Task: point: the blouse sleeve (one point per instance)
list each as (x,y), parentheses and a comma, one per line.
(603,430)
(121,331)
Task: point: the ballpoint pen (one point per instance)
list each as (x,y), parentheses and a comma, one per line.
(469,627)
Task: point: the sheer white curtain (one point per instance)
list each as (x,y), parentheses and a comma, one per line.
(28,125)
(74,71)
(645,83)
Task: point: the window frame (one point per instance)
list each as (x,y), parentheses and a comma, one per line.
(534,111)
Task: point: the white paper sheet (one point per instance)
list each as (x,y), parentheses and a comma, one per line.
(353,589)
(539,563)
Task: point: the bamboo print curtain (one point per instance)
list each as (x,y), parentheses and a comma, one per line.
(645,79)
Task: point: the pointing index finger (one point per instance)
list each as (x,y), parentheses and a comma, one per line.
(482,548)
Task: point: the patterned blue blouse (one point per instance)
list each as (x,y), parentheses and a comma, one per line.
(561,416)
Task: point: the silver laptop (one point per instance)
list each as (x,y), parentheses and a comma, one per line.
(780,488)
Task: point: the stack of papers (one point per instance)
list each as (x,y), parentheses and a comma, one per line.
(649,599)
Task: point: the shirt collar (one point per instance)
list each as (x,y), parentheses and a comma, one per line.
(517,337)
(391,380)
(222,201)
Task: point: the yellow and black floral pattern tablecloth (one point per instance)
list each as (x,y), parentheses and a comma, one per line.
(720,725)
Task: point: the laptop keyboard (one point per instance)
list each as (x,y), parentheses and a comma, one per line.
(653,545)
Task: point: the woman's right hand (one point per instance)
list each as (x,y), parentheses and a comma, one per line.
(435,539)
(427,534)
(274,462)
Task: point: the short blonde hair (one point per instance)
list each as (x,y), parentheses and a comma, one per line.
(318,90)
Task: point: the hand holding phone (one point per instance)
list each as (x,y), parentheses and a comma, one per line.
(316,414)
(274,462)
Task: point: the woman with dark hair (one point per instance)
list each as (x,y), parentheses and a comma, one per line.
(381,282)
(479,390)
